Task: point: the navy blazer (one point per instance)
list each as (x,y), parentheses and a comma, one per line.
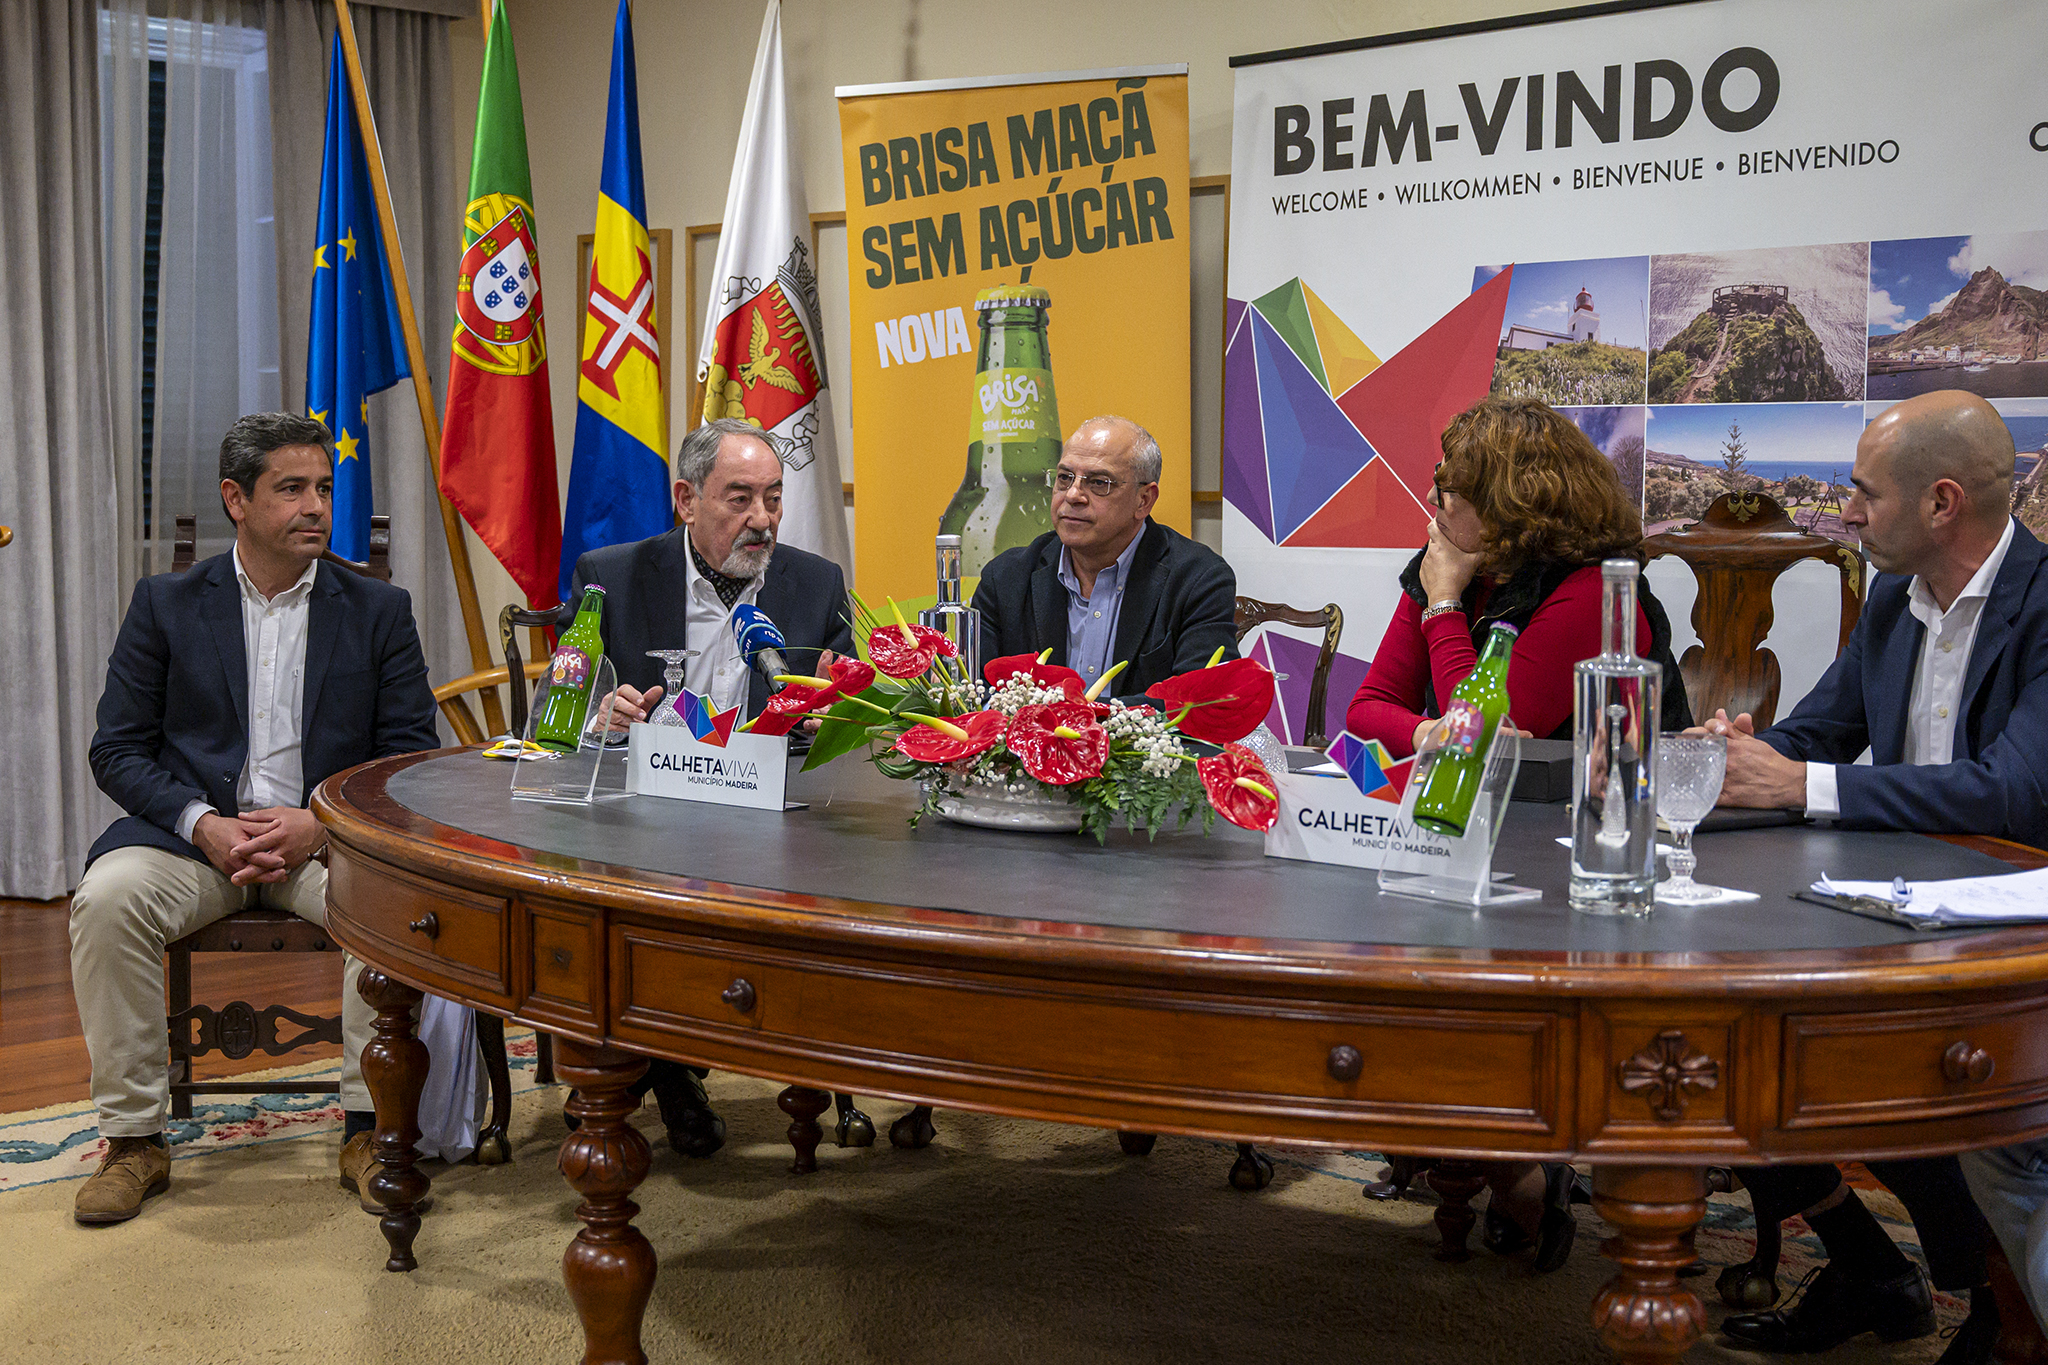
(1996,781)
(1180,605)
(173,720)
(645,608)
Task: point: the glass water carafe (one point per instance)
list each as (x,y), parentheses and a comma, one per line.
(1614,762)
(951,617)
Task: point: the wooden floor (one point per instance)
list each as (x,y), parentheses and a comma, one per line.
(42,1053)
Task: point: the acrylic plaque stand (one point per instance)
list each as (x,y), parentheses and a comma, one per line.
(1466,877)
(595,772)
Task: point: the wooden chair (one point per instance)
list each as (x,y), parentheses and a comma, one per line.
(1251,613)
(1736,552)
(238,1028)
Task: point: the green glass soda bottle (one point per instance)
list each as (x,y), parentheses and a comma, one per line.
(571,673)
(1475,709)
(1013,431)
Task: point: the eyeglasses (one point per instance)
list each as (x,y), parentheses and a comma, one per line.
(1098,485)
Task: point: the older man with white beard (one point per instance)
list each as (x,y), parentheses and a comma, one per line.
(678,590)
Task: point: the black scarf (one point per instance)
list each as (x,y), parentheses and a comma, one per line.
(727,587)
(1516,599)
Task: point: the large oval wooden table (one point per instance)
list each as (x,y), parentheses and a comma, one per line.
(1187,986)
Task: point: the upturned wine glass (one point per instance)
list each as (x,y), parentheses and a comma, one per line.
(671,684)
(1689,773)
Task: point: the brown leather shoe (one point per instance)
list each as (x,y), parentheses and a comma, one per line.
(359,1166)
(134,1169)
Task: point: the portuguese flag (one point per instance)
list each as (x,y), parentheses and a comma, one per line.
(498,437)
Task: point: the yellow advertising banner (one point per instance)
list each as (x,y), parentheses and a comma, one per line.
(1018,263)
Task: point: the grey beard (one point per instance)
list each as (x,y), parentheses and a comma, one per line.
(748,561)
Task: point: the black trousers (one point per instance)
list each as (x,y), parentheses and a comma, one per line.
(1953,1233)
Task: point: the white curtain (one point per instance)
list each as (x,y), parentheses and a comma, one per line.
(58,469)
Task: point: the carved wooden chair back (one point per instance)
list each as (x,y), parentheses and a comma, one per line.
(1252,613)
(1736,552)
(453,699)
(184,548)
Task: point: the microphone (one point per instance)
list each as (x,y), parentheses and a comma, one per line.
(761,643)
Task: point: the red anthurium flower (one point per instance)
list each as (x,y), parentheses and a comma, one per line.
(851,677)
(911,658)
(1229,700)
(791,705)
(1000,671)
(1060,743)
(1240,788)
(928,744)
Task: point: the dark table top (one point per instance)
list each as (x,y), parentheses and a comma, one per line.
(854,843)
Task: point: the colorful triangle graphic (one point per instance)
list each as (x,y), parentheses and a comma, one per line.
(1346,359)
(1286,308)
(1312,448)
(709,724)
(1374,771)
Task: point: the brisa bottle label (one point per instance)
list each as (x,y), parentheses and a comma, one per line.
(569,668)
(1464,727)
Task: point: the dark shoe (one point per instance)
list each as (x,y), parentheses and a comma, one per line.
(1558,1229)
(1501,1234)
(693,1129)
(1835,1307)
(1971,1340)
(134,1169)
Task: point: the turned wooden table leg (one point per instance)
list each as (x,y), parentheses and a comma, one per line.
(395,1068)
(803,1107)
(1456,1182)
(609,1267)
(1644,1314)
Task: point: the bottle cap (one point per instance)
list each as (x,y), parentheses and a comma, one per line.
(1020,295)
(949,542)
(597,588)
(1619,568)
(1509,626)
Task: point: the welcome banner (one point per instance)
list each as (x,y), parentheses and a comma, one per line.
(1073,184)
(1721,235)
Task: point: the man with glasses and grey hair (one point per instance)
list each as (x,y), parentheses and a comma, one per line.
(678,590)
(1107,584)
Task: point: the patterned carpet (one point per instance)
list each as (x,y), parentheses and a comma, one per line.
(1006,1241)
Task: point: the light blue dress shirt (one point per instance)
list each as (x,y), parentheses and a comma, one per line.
(1092,617)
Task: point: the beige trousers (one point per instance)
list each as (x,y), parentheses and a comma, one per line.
(132,902)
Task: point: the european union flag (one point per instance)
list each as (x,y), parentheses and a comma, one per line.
(356,346)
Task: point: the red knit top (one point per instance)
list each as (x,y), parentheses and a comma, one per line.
(1564,630)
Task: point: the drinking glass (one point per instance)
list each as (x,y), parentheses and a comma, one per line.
(1689,772)
(671,684)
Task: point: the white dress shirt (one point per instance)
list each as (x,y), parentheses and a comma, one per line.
(719,671)
(274,648)
(1937,679)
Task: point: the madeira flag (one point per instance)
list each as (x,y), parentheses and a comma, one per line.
(618,479)
(356,344)
(498,439)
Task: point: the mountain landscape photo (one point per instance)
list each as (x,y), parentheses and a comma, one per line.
(1959,313)
(1782,324)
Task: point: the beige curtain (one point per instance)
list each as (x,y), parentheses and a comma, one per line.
(58,475)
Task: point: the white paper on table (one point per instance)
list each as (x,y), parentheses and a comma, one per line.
(2008,896)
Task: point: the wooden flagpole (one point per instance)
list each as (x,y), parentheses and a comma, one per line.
(423,390)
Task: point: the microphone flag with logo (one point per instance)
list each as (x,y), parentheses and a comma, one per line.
(763,355)
(498,437)
(618,476)
(355,344)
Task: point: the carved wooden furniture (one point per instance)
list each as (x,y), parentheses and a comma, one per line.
(1252,613)
(1198,988)
(1736,551)
(377,566)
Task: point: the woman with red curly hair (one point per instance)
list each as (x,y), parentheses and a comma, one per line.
(1527,507)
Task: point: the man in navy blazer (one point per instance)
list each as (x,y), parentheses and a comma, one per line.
(1108,585)
(234,689)
(678,590)
(1945,678)
(1945,682)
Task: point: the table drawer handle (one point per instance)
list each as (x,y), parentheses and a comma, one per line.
(1965,1063)
(740,995)
(428,924)
(1345,1062)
